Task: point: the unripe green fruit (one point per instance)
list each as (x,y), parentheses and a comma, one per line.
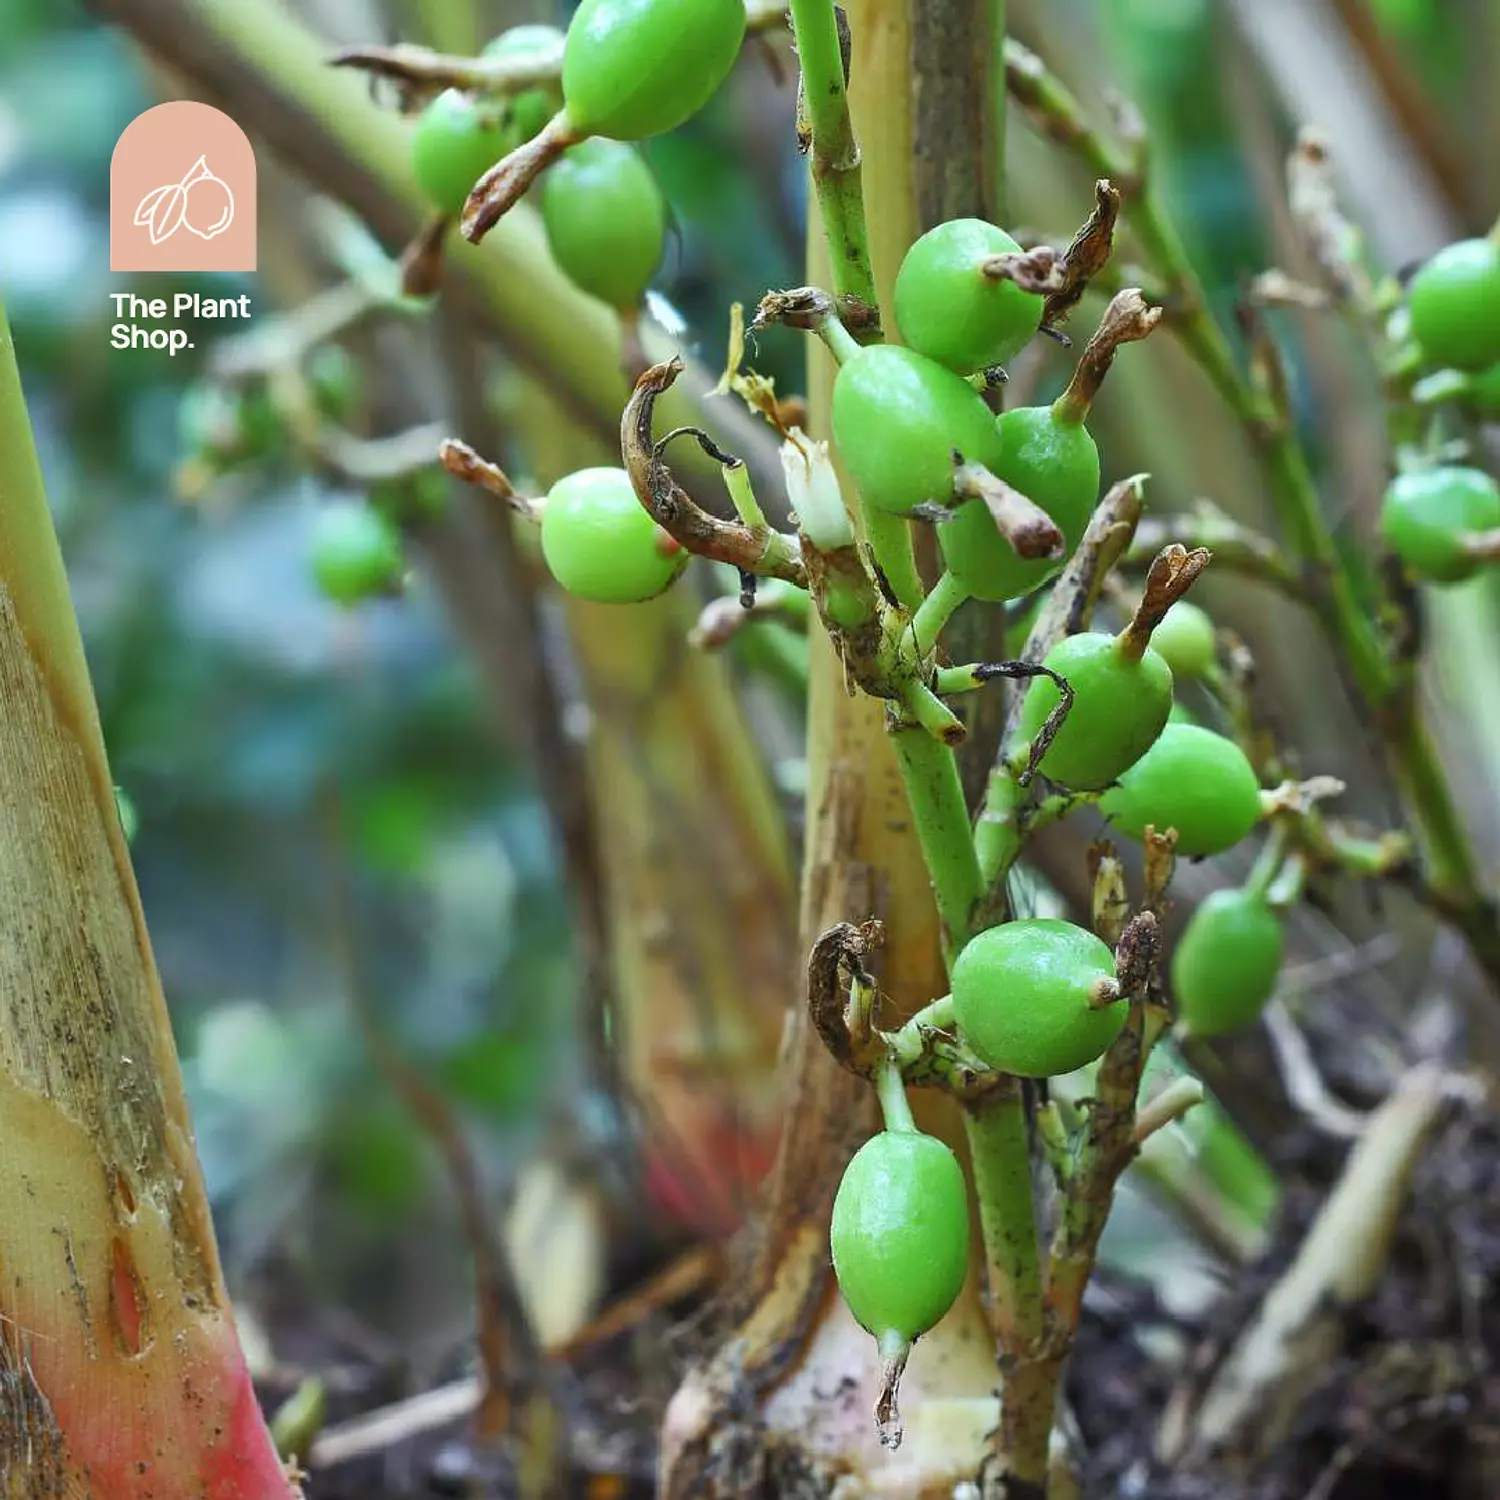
(601,544)
(1225,964)
(1185,640)
(356,553)
(900,1233)
(412,498)
(1455,305)
(950,311)
(226,427)
(1426,514)
(455,143)
(1120,706)
(606,221)
(1055,464)
(336,380)
(1192,780)
(634,68)
(1484,391)
(1022,992)
(898,418)
(531,109)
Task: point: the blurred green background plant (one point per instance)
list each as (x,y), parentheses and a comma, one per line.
(312,784)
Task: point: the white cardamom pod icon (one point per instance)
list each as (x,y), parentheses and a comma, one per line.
(201,202)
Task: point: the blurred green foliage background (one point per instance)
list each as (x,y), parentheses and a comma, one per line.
(280,752)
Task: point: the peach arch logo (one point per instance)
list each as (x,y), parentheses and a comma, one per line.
(182,192)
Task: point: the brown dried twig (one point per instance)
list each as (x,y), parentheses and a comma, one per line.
(835,970)
(758,550)
(1062,277)
(462,462)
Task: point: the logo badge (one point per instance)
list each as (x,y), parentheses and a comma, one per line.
(182,193)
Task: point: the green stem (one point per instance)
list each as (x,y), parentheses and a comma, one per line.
(997,832)
(906,1044)
(890,540)
(930,775)
(895,1107)
(947,682)
(837,339)
(1001,1157)
(1268,865)
(742,493)
(932,713)
(947,595)
(835,153)
(1451,868)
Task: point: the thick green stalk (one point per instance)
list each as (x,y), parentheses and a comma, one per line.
(1002,1181)
(835,156)
(997,830)
(890,536)
(930,775)
(1000,1155)
(995,1126)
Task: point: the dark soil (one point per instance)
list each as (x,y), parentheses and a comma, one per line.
(1409,1411)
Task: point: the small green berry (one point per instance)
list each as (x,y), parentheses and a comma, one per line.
(898,418)
(635,68)
(1055,464)
(529,110)
(1120,706)
(1022,994)
(1192,780)
(1426,514)
(1186,641)
(950,311)
(1483,394)
(456,141)
(410,498)
(601,544)
(1455,305)
(1225,964)
(356,553)
(606,221)
(900,1233)
(227,427)
(336,380)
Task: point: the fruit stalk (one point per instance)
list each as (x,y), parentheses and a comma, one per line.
(827,135)
(120,1367)
(793,1342)
(996,1127)
(930,776)
(1453,871)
